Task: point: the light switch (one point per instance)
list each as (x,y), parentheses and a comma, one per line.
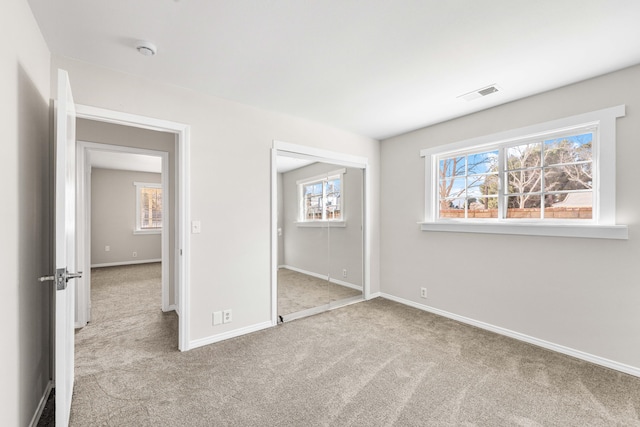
(195,227)
(217,318)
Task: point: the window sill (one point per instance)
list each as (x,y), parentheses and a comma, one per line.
(554,230)
(154,231)
(321,224)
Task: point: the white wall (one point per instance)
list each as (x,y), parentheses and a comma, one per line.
(25,246)
(230,185)
(325,251)
(113,218)
(580,293)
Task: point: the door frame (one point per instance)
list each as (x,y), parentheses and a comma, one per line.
(320,155)
(83,213)
(182,189)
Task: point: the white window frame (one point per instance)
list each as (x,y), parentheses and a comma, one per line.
(604,186)
(302,220)
(139,230)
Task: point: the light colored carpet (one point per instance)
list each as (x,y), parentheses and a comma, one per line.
(376,363)
(297,292)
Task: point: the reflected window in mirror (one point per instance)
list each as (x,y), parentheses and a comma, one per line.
(321,197)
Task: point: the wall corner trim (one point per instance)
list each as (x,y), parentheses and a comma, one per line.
(597,360)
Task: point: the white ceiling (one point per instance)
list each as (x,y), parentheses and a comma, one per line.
(375,67)
(125,161)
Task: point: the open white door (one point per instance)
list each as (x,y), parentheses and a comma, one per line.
(65,253)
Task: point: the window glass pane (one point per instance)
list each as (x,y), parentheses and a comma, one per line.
(479,163)
(523,156)
(452,208)
(313,201)
(150,208)
(568,177)
(454,166)
(569,206)
(568,149)
(482,207)
(525,206)
(482,185)
(333,201)
(451,188)
(523,181)
(313,189)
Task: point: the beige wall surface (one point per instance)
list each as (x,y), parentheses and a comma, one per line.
(325,251)
(579,293)
(25,245)
(230,167)
(113,218)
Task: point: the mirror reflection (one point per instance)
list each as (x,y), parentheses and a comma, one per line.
(320,236)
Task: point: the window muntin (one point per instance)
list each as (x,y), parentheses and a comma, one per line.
(321,198)
(148,206)
(548,178)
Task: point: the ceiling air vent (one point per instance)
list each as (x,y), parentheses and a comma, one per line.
(479,93)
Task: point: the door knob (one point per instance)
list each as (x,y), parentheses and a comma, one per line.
(61,278)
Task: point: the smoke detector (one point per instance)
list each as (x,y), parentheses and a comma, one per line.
(146,48)
(479,93)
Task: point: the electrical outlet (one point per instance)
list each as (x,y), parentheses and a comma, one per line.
(217,318)
(135,254)
(423,292)
(344,273)
(107,248)
(226,316)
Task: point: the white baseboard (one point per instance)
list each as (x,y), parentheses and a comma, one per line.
(41,405)
(323,277)
(374,295)
(627,369)
(231,334)
(172,307)
(115,264)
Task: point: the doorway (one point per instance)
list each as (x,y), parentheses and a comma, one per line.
(115,183)
(177,258)
(320,233)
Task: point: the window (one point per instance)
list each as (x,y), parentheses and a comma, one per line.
(321,198)
(559,174)
(148,207)
(545,178)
